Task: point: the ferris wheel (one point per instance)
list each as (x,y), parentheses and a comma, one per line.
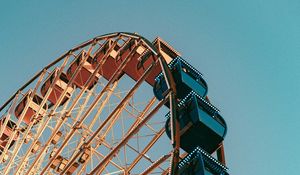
(115,104)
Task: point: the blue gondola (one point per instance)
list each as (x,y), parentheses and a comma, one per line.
(199,162)
(200,124)
(186,78)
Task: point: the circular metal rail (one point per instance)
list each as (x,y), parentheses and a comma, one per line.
(92,111)
(112,123)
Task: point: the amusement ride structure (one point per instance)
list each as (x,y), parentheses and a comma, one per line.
(92,111)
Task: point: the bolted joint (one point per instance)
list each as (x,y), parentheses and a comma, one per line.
(77,125)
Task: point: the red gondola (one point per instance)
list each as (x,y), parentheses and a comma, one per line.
(34,106)
(9,128)
(58,88)
(111,63)
(85,72)
(131,67)
(148,58)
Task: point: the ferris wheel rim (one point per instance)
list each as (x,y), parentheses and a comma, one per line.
(79,46)
(124,39)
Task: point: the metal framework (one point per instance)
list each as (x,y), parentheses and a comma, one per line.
(109,124)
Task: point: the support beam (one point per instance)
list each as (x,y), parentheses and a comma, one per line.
(146,149)
(95,102)
(156,164)
(127,137)
(147,108)
(79,95)
(70,83)
(175,128)
(221,154)
(20,141)
(42,125)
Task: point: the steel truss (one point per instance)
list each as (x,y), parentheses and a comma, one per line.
(115,127)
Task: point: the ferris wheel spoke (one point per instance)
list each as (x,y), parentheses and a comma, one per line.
(156,164)
(7,119)
(95,114)
(41,128)
(90,108)
(88,128)
(59,122)
(115,114)
(105,101)
(146,149)
(48,93)
(18,146)
(125,140)
(121,104)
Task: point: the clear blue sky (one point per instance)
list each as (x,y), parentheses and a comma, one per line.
(248,51)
